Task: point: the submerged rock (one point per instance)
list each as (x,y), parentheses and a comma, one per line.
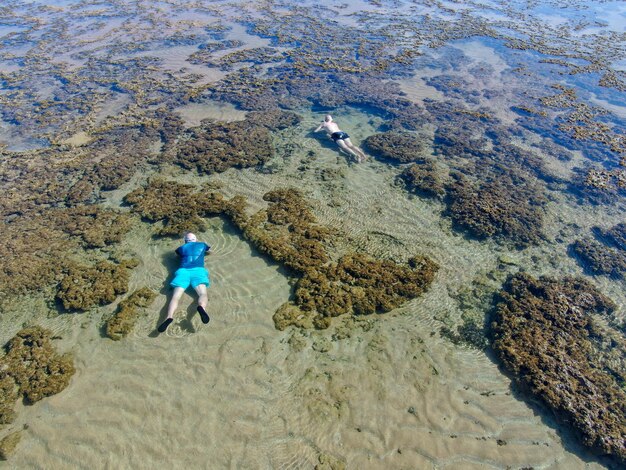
(35,368)
(84,287)
(507,206)
(214,147)
(544,334)
(288,233)
(124,320)
(402,147)
(600,259)
(9,443)
(425,178)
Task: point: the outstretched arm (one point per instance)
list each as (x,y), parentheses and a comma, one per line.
(319,128)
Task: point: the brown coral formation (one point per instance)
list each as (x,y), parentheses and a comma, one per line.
(32,368)
(84,287)
(124,320)
(96,227)
(36,249)
(214,147)
(425,179)
(604,255)
(598,258)
(9,443)
(506,206)
(178,206)
(361,285)
(402,147)
(545,335)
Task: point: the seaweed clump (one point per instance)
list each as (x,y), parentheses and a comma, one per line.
(31,368)
(606,254)
(424,179)
(84,287)
(506,205)
(402,147)
(544,334)
(214,147)
(124,320)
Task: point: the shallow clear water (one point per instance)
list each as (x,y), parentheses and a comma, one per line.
(237,393)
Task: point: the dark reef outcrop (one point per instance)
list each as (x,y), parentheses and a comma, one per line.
(31,368)
(598,258)
(504,205)
(214,147)
(545,334)
(425,178)
(606,254)
(402,147)
(37,249)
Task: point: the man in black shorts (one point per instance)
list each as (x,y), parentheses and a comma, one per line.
(341,138)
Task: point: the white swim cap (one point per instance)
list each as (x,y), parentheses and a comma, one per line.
(190,237)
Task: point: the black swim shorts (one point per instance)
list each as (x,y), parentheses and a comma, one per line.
(339,136)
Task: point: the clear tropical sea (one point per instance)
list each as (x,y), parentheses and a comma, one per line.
(512,116)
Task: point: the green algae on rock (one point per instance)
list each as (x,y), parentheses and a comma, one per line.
(124,320)
(84,287)
(544,334)
(36,369)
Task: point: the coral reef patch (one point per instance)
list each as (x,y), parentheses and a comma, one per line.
(598,258)
(401,147)
(9,443)
(505,205)
(32,368)
(214,146)
(84,287)
(125,318)
(606,254)
(425,178)
(545,334)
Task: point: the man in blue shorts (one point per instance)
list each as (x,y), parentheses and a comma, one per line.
(190,273)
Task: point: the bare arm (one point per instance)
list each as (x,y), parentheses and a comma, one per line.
(320,127)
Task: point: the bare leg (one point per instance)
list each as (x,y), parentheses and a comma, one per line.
(347,149)
(202,302)
(360,155)
(171,308)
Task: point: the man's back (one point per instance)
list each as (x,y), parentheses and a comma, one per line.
(192,254)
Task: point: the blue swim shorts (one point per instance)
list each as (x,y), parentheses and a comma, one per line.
(184,277)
